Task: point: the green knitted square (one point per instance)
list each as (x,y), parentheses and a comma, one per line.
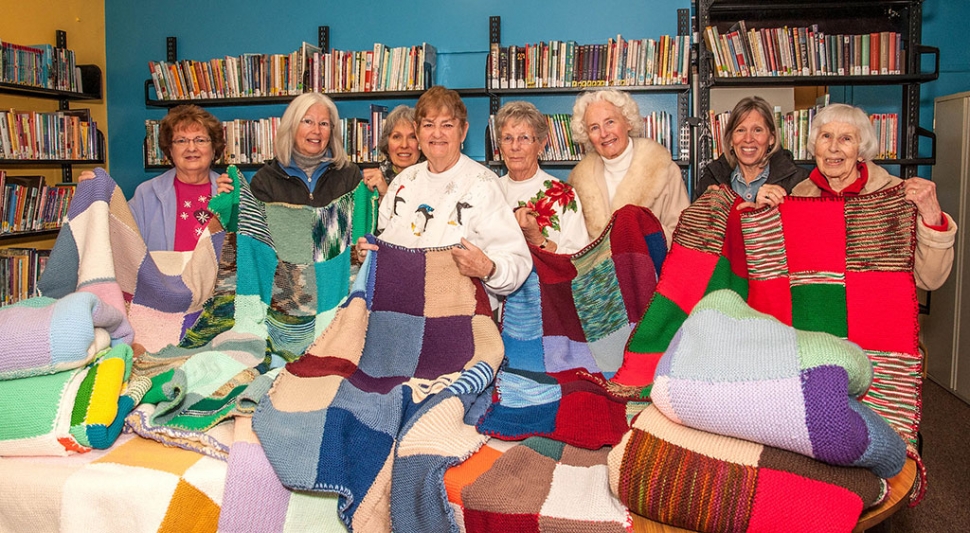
(291,227)
(547,447)
(820,307)
(658,326)
(724,278)
(599,302)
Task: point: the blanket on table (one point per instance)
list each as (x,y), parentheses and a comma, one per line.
(734,371)
(69,411)
(390,391)
(571,319)
(136,485)
(45,336)
(843,266)
(712,483)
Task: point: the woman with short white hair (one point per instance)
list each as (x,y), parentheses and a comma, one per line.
(620,167)
(843,142)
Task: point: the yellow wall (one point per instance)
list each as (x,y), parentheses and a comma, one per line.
(36,23)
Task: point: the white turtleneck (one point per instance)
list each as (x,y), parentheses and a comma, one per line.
(615,169)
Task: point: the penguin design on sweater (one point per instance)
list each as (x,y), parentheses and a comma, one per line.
(458,207)
(397,200)
(421,216)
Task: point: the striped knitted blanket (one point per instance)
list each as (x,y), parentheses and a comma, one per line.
(69,411)
(570,321)
(385,400)
(706,482)
(840,266)
(734,371)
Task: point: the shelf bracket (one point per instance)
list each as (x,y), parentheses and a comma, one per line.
(171,49)
(60,39)
(323,38)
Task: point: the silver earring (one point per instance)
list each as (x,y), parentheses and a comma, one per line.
(462,145)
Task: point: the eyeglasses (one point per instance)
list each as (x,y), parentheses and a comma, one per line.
(309,122)
(524,140)
(198,141)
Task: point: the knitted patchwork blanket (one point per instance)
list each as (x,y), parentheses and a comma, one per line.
(843,266)
(45,336)
(538,484)
(100,250)
(734,371)
(569,322)
(136,485)
(386,399)
(70,411)
(706,482)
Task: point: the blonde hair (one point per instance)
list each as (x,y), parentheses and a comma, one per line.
(627,106)
(290,122)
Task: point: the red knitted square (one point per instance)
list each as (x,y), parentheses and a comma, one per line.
(814,235)
(685,275)
(559,315)
(771,296)
(882,310)
(588,417)
(790,503)
(488,522)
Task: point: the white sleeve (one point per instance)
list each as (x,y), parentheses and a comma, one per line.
(572,230)
(494,229)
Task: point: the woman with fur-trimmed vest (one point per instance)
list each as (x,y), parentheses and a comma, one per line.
(620,169)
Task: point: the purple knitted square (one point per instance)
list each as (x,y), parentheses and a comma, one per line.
(446,347)
(838,434)
(393,265)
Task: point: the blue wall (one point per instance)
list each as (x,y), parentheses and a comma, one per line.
(135,34)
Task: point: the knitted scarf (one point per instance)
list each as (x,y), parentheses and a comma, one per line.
(388,392)
(570,320)
(838,265)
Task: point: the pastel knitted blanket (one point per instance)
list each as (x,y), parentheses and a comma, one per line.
(843,266)
(706,482)
(70,411)
(570,321)
(45,336)
(100,250)
(390,391)
(136,485)
(734,371)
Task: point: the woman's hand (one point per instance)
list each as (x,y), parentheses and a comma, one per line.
(86,175)
(472,261)
(922,193)
(530,229)
(362,247)
(223,184)
(772,195)
(374,179)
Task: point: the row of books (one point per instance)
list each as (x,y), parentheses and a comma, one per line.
(307,69)
(39,65)
(795,125)
(401,68)
(619,62)
(20,268)
(803,51)
(251,141)
(33,135)
(29,204)
(658,125)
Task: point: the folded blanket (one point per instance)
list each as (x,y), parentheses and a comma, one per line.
(841,265)
(390,391)
(734,371)
(44,335)
(71,411)
(705,482)
(536,485)
(570,319)
(100,250)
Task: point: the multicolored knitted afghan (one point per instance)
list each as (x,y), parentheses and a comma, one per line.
(570,319)
(841,265)
(706,482)
(733,371)
(390,391)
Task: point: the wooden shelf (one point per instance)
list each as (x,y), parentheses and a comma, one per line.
(7,238)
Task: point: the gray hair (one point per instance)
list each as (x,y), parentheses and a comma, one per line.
(290,122)
(399,113)
(519,111)
(868,146)
(627,106)
(751,104)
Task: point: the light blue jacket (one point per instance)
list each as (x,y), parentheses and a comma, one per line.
(154,209)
